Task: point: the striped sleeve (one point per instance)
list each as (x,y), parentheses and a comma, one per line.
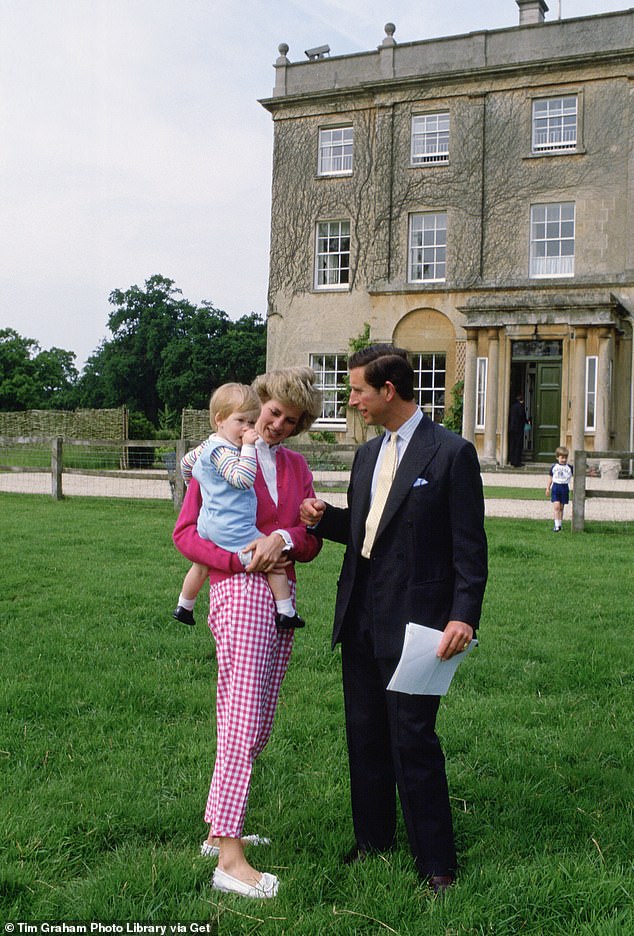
(237,468)
(189,460)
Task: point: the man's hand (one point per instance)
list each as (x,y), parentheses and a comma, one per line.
(456,637)
(311,511)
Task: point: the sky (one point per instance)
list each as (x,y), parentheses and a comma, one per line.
(132,142)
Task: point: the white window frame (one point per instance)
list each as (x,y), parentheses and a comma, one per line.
(427,250)
(331,371)
(332,255)
(429,143)
(555,124)
(590,399)
(336,145)
(552,240)
(435,406)
(482,372)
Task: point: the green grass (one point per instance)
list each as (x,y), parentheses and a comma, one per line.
(38,455)
(512,493)
(107,732)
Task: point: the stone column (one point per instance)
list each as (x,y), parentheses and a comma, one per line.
(602,431)
(489,455)
(469,392)
(579,390)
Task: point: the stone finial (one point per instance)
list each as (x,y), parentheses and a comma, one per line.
(389,40)
(283,50)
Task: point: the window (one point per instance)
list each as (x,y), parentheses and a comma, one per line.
(481,391)
(429,384)
(430,139)
(427,247)
(552,251)
(591,393)
(555,124)
(332,266)
(331,370)
(335,151)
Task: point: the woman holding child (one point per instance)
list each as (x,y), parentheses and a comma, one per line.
(252,652)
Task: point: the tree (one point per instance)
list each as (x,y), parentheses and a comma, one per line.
(57,378)
(35,379)
(167,352)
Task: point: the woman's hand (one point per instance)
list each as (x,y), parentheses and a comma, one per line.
(267,553)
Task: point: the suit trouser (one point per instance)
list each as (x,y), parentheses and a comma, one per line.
(516,447)
(392,744)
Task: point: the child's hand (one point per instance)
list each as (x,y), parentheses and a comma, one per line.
(250,437)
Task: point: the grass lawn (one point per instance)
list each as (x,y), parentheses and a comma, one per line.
(107,734)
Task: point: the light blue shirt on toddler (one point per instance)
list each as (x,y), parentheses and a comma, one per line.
(227,515)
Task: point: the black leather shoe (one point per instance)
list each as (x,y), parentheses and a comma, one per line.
(184,615)
(439,883)
(356,855)
(286,622)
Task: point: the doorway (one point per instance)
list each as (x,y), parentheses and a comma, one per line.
(536,374)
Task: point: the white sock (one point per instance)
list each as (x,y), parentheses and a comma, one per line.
(285,606)
(186,602)
(558,524)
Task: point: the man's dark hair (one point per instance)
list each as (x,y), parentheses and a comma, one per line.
(383,362)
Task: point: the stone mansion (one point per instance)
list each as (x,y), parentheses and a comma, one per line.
(471,199)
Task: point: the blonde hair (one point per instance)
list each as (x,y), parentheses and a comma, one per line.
(293,386)
(233,398)
(561,450)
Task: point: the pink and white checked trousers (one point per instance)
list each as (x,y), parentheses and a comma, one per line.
(252,660)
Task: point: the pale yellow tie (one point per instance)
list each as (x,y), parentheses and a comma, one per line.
(383,484)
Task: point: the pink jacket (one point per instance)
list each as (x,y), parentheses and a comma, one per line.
(294,483)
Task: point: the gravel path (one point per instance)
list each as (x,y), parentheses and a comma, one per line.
(597,508)
(136,486)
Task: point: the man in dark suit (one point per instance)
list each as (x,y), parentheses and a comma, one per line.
(424,559)
(518,419)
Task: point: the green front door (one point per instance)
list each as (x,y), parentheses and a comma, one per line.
(546,424)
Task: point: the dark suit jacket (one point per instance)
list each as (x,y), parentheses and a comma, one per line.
(429,560)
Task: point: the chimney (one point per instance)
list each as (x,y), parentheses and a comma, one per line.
(532,11)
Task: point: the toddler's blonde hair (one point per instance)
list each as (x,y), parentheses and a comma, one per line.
(233,398)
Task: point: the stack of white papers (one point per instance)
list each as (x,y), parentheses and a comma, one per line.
(420,671)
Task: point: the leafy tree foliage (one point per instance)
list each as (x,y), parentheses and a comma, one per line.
(167,352)
(34,379)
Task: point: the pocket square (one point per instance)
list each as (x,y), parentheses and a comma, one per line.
(419,482)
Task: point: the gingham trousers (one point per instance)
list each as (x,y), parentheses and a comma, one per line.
(252,660)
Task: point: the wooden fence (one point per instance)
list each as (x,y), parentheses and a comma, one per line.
(119,450)
(580,491)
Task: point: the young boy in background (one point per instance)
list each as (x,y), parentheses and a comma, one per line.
(558,487)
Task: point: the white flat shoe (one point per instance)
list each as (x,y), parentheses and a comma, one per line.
(263,890)
(212,851)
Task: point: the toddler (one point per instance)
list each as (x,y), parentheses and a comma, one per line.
(225,466)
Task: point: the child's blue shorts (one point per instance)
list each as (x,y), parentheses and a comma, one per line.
(559,493)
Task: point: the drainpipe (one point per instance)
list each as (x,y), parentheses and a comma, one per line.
(630,314)
(632,393)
